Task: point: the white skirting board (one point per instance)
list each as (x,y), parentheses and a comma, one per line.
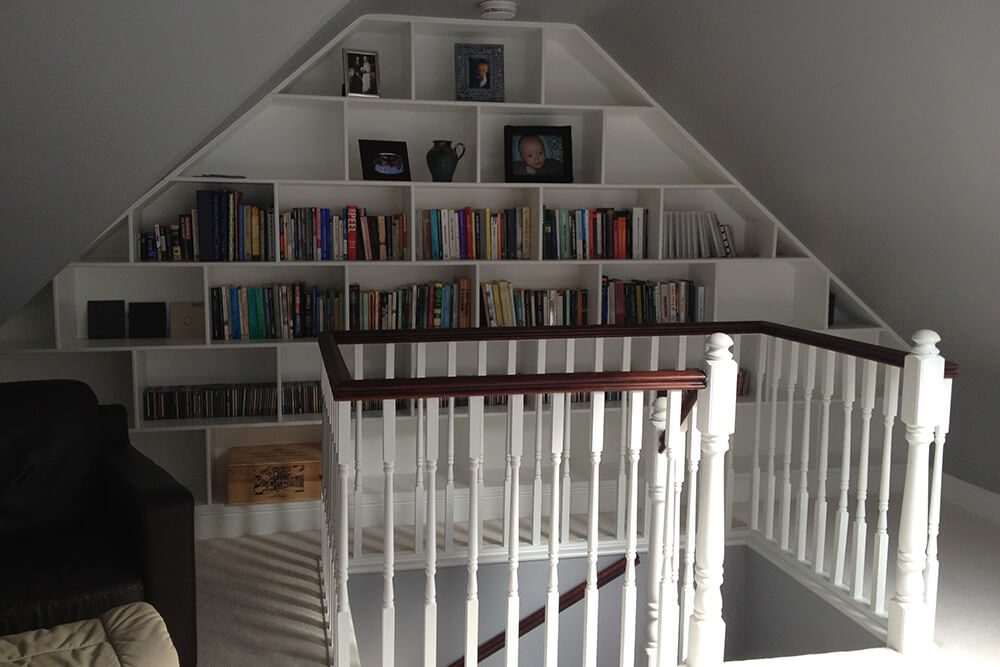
(971,498)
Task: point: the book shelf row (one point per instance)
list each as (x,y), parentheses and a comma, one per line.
(279,311)
(224,401)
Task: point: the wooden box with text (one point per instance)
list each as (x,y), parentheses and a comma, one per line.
(275,473)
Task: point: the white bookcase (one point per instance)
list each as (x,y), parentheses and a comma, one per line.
(299,147)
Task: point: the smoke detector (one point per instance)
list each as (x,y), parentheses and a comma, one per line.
(497,10)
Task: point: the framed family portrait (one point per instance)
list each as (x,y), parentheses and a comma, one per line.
(361,73)
(538,153)
(479,72)
(384,160)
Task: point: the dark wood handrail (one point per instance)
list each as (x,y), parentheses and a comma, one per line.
(346,388)
(537,617)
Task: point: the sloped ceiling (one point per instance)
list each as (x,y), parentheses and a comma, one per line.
(869,129)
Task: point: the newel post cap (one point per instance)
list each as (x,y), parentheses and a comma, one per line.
(717,402)
(923,382)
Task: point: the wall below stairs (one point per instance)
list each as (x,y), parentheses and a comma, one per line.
(767,613)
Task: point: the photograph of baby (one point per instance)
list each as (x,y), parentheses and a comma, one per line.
(538,153)
(479,72)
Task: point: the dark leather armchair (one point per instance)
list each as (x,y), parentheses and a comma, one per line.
(87,522)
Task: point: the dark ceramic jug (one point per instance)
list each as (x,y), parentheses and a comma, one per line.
(442,159)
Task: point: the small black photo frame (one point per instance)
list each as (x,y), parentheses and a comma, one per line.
(361,73)
(538,154)
(384,160)
(479,72)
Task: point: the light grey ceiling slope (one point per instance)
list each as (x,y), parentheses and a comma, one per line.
(868,129)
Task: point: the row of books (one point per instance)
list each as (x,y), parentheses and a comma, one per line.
(649,302)
(482,233)
(274,311)
(696,234)
(601,233)
(301,398)
(210,401)
(316,234)
(417,306)
(505,306)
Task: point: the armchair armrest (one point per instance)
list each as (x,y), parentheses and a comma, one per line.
(157,514)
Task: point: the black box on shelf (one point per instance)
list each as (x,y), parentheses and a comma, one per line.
(105,319)
(147,319)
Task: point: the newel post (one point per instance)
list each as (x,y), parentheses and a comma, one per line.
(716,421)
(923,381)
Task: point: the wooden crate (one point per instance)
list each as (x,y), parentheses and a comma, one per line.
(275,473)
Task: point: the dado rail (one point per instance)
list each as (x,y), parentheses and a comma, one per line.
(760,454)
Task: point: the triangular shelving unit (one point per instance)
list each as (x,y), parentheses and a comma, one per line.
(299,147)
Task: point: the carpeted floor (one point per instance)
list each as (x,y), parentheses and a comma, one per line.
(258,597)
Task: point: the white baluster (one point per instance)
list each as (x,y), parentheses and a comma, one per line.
(755,464)
(472,589)
(344,626)
(786,464)
(826,395)
(923,389)
(687,598)
(516,403)
(667,635)
(430,537)
(803,510)
(626,656)
(772,440)
(482,429)
(449,486)
(359,512)
(552,590)
(649,397)
(730,462)
(567,483)
(590,599)
(508,485)
(890,402)
(716,421)
(624,440)
(330,498)
(658,481)
(843,513)
(388,520)
(536,486)
(419,493)
(860,519)
(934,510)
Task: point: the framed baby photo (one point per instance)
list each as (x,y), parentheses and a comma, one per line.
(538,154)
(384,160)
(479,72)
(361,73)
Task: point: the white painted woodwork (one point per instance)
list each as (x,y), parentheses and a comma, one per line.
(628,620)
(761,371)
(803,507)
(669,600)
(786,459)
(859,542)
(730,460)
(430,537)
(516,450)
(843,512)
(449,486)
(826,397)
(509,483)
(690,546)
(920,409)
(536,484)
(880,558)
(344,626)
(931,571)
(624,437)
(567,481)
(656,483)
(481,472)
(472,590)
(357,518)
(388,523)
(716,421)
(772,440)
(552,589)
(591,594)
(419,490)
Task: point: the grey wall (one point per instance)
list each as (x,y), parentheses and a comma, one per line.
(869,129)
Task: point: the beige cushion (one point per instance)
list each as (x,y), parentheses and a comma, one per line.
(133,635)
